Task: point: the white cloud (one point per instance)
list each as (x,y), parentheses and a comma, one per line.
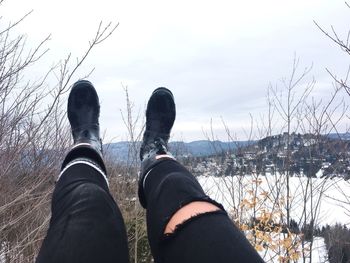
(218,57)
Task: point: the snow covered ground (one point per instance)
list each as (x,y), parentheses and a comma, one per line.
(319,253)
(327,201)
(323,200)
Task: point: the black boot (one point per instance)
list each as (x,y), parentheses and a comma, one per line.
(83,113)
(160,117)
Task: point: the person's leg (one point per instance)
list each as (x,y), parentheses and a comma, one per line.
(184,224)
(86,224)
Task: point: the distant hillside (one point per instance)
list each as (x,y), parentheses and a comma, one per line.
(120,150)
(203,148)
(342,136)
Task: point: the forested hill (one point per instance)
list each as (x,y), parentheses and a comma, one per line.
(200,148)
(309,153)
(204,148)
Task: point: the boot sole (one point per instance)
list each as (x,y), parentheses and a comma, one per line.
(81,85)
(163,89)
(84,83)
(87,85)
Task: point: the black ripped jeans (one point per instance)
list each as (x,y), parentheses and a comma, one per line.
(87,226)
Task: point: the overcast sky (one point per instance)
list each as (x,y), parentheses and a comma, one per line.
(218,57)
